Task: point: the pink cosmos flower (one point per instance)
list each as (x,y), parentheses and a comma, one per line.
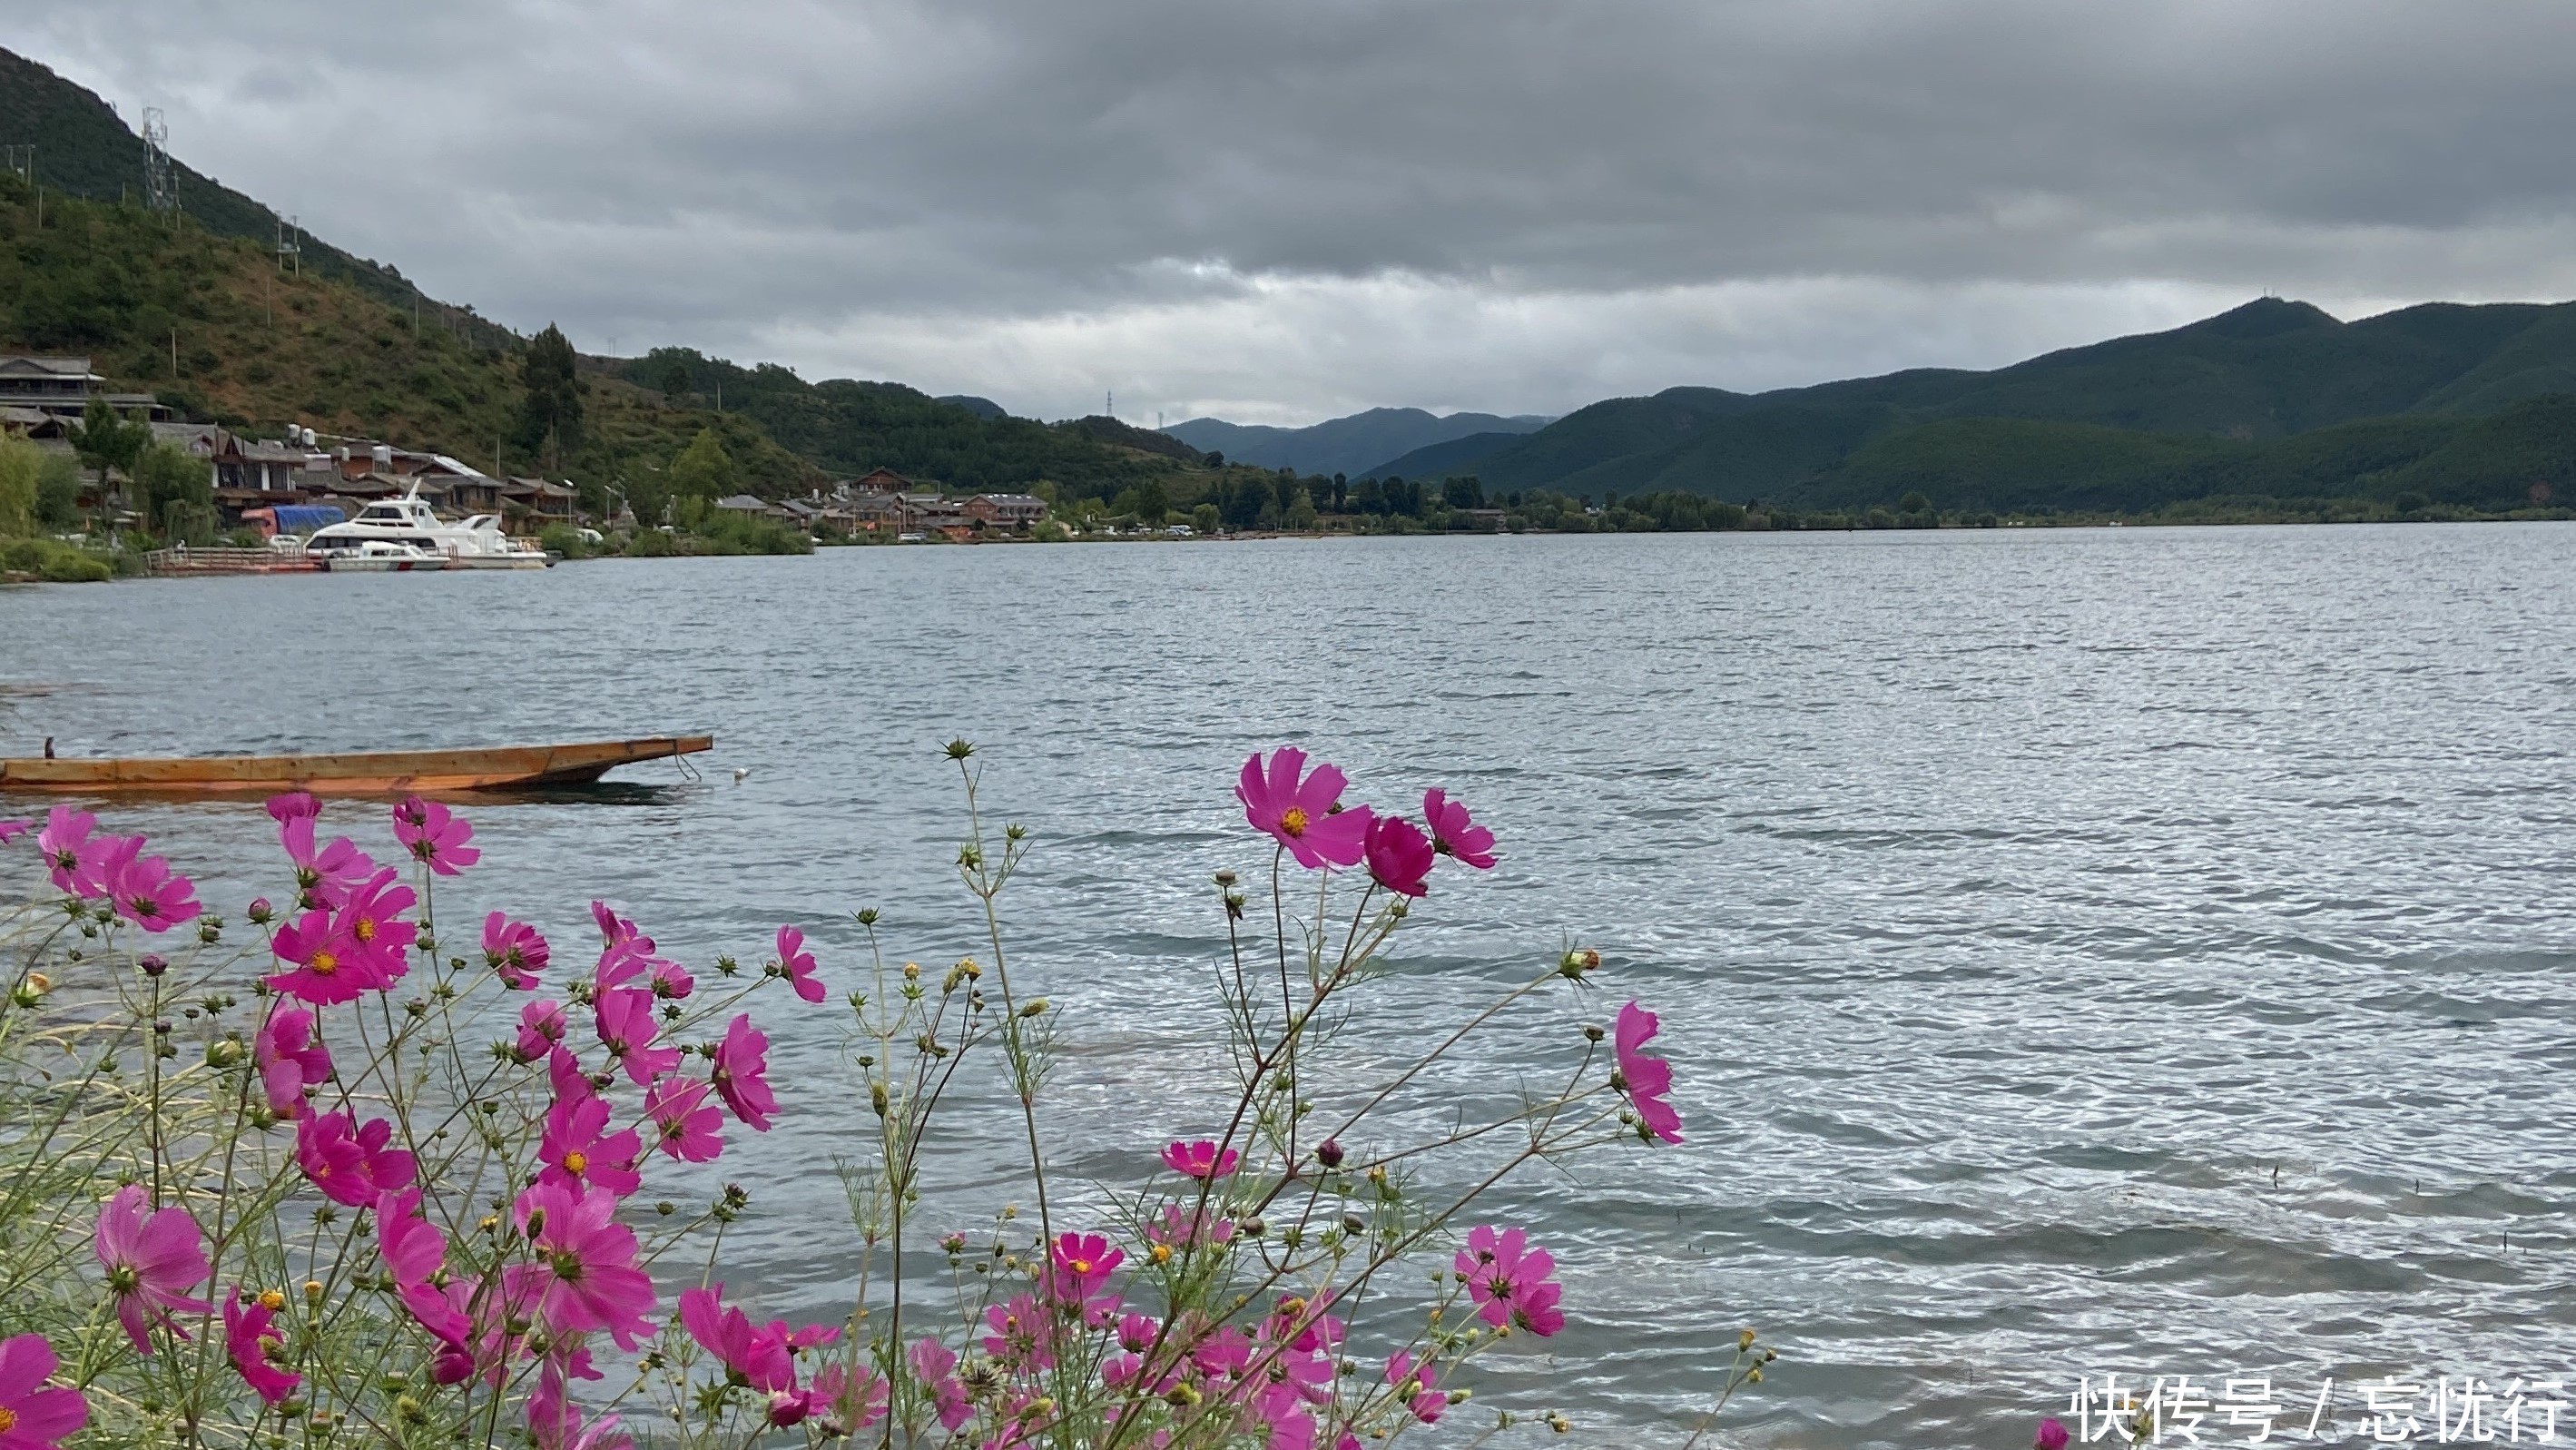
(685,1125)
(371,918)
(1181,1231)
(248,1337)
(294,805)
(1647,1079)
(2052,1434)
(846,1401)
(152,1261)
(351,1168)
(578,1148)
(435,836)
(1399,855)
(584,1275)
(934,1364)
(71,855)
(628,1024)
(1023,1333)
(1200,1160)
(565,1076)
(742,1073)
(1509,1280)
(614,928)
(1081,1265)
(555,1423)
(144,889)
(324,874)
(10,831)
(1301,814)
(411,1246)
(1455,833)
(1414,1385)
(35,1416)
(328,967)
(671,981)
(799,964)
(289,1059)
(514,951)
(748,1355)
(541,1026)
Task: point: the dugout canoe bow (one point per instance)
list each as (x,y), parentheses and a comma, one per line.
(371,772)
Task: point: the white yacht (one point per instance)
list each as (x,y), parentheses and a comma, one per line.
(409,526)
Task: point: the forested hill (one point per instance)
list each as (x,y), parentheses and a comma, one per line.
(2271,369)
(339,345)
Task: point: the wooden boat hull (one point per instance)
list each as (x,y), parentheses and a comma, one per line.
(380,772)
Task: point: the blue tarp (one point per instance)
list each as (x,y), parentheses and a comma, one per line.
(304,518)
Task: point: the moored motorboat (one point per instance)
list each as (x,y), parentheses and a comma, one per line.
(378,557)
(377,772)
(409,523)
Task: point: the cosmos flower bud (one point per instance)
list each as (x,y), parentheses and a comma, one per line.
(867,916)
(1593,1033)
(1225,878)
(1575,963)
(1036,1008)
(260,911)
(1252,1226)
(1353,1224)
(153,965)
(1329,1152)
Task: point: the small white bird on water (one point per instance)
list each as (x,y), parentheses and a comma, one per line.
(739,772)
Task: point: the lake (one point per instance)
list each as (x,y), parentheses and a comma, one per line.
(2135,950)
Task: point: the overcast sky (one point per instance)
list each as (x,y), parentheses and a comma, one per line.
(1283,211)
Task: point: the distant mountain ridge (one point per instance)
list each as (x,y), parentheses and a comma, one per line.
(2270,369)
(1352,445)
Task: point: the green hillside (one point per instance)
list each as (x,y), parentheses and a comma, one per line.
(2131,424)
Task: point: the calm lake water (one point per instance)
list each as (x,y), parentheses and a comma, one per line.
(2110,950)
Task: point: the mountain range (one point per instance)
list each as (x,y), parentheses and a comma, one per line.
(1354,445)
(2210,403)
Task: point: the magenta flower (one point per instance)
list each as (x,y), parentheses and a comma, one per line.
(70,853)
(564,1074)
(1454,832)
(289,1059)
(541,1026)
(614,928)
(671,981)
(328,966)
(32,1415)
(151,1262)
(10,831)
(1647,1079)
(584,1275)
(435,836)
(294,805)
(1414,1385)
(371,917)
(1023,1333)
(1200,1160)
(799,964)
(578,1148)
(1399,855)
(1080,1265)
(2052,1434)
(628,1024)
(514,951)
(762,1357)
(1302,815)
(411,1246)
(685,1125)
(144,889)
(255,1343)
(324,874)
(555,1423)
(742,1073)
(846,1401)
(351,1168)
(935,1364)
(1509,1280)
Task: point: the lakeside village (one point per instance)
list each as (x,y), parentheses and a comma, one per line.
(222,501)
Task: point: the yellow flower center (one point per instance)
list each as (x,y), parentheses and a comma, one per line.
(366,929)
(272,1299)
(8,1419)
(1162,1253)
(575,1161)
(1079,1266)
(324,964)
(1294,822)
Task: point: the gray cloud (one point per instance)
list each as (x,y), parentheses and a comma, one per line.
(1283,211)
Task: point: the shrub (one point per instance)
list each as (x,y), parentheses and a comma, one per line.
(359,1182)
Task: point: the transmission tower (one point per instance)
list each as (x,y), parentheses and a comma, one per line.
(158,191)
(290,245)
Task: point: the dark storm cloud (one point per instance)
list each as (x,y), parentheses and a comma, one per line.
(1302,207)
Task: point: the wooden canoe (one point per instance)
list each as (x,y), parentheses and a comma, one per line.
(378,772)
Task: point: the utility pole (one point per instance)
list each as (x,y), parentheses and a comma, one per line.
(174,354)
